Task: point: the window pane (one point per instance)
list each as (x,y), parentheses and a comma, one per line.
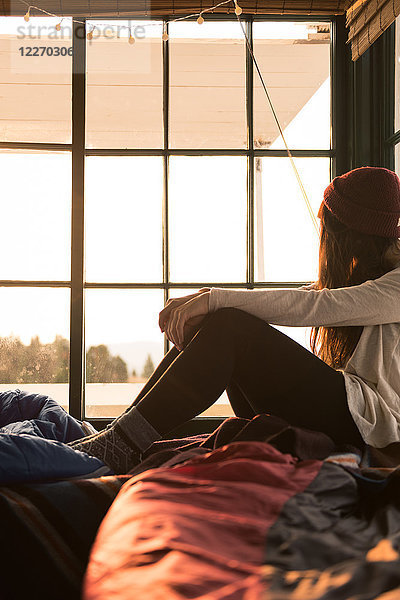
(207,79)
(35,214)
(286,242)
(294,59)
(124,85)
(34,341)
(397,78)
(397,158)
(207,218)
(301,335)
(123,345)
(124,219)
(35,89)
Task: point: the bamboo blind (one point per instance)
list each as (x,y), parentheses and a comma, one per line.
(171,8)
(366,20)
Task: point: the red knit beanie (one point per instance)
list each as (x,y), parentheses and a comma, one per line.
(367,200)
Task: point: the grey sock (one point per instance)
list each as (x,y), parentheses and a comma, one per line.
(110,447)
(138,429)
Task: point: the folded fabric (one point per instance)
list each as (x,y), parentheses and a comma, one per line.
(34,431)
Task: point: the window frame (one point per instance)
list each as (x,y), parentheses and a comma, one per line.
(339,162)
(392,137)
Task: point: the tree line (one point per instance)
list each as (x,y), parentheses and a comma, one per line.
(49,363)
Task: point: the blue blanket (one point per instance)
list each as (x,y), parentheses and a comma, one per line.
(34,431)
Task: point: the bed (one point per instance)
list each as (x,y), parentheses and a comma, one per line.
(256,510)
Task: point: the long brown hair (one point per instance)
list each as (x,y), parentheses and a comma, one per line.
(347,257)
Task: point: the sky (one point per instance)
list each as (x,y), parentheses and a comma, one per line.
(123,233)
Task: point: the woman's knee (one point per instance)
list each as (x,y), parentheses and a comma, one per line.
(237,317)
(233,321)
(222,318)
(226,317)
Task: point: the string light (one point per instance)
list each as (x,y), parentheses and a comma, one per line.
(238,10)
(131,39)
(165,37)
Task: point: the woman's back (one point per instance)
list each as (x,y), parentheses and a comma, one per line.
(372,379)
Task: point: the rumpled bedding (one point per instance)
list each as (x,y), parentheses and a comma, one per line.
(34,431)
(247,522)
(276,513)
(257,510)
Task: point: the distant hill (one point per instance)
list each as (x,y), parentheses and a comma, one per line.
(135,353)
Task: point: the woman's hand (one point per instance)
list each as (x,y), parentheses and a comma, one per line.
(172,303)
(179,313)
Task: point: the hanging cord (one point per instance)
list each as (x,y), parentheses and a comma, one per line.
(303,191)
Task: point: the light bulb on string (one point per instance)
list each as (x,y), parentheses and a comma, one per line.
(90,34)
(27,15)
(165,35)
(131,39)
(58,26)
(238,10)
(200,20)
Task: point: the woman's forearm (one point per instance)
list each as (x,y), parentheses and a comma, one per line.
(370,303)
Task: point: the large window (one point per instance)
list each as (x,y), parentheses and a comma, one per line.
(137,172)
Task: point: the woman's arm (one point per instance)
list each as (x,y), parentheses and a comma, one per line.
(370,303)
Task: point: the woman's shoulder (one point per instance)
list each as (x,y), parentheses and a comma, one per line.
(394,271)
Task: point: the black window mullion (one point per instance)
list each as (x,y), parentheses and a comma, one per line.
(342,119)
(76,372)
(250,158)
(165,219)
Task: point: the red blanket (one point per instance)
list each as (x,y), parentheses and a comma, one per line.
(248,521)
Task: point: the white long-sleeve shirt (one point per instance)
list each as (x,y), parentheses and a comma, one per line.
(372,373)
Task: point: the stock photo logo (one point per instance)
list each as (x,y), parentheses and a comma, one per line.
(46,44)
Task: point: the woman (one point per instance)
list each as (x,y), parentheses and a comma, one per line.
(348,386)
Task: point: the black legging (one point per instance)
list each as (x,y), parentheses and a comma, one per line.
(263,371)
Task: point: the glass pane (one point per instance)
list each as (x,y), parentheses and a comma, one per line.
(34,341)
(207,79)
(286,242)
(124,219)
(222,407)
(35,215)
(207,218)
(124,85)
(294,59)
(397,78)
(35,80)
(123,345)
